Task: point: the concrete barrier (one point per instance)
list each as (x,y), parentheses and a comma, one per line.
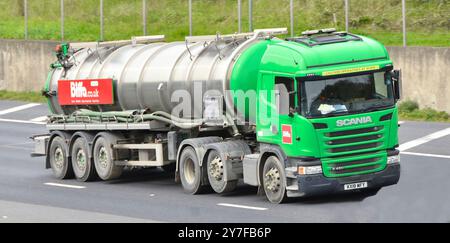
(24,65)
(426,70)
(426,75)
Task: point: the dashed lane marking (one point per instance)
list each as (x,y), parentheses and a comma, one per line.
(18,108)
(39,119)
(22,121)
(241,206)
(64,185)
(428,155)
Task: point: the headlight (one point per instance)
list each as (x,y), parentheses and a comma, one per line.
(309,170)
(393,159)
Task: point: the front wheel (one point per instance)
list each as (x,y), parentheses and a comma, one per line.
(215,168)
(274,180)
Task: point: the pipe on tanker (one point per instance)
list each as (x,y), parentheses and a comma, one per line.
(166,120)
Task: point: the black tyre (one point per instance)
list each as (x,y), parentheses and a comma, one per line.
(104,159)
(82,164)
(190,172)
(59,160)
(215,170)
(274,180)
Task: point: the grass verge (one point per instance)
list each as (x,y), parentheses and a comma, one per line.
(35,97)
(409,110)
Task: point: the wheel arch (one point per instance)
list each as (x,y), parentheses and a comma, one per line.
(89,137)
(112,136)
(198,145)
(227,150)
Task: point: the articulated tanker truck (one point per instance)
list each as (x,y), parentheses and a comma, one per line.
(302,116)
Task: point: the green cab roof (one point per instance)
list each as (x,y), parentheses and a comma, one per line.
(294,57)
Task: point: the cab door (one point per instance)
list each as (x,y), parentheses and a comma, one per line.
(276,108)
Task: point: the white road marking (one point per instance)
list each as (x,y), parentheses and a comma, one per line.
(401,122)
(21,121)
(39,119)
(428,155)
(426,139)
(5,217)
(18,108)
(64,185)
(241,206)
(152,195)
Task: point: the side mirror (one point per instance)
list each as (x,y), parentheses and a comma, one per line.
(282,99)
(397,83)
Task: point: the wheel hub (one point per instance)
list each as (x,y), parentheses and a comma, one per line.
(81,159)
(216,168)
(273,180)
(59,158)
(103,157)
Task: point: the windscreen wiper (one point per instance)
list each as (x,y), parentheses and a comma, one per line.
(379,108)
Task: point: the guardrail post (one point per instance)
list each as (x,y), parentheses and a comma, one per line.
(346,16)
(404,22)
(62,20)
(101,21)
(250,15)
(239,16)
(144,16)
(25,14)
(190,18)
(292,17)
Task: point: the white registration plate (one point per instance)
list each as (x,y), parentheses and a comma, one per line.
(355,186)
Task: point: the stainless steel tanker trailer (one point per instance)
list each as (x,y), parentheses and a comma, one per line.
(219,109)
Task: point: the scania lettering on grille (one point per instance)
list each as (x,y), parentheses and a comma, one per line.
(353,121)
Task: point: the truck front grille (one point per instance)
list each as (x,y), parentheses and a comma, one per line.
(350,165)
(354,147)
(353,141)
(353,151)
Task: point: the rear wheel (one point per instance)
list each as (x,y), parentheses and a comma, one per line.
(190,171)
(104,159)
(215,169)
(81,162)
(59,160)
(274,181)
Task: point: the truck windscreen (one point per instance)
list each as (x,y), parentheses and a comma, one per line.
(346,95)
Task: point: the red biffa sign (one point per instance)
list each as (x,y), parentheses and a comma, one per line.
(85,92)
(286,131)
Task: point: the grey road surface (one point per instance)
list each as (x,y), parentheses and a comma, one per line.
(29,193)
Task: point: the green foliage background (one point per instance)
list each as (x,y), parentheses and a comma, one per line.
(428,21)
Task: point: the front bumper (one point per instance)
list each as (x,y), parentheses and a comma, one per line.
(313,185)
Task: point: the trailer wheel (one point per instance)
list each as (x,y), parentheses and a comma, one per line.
(215,169)
(274,180)
(103,160)
(81,162)
(59,161)
(190,171)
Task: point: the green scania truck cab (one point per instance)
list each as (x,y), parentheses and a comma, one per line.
(340,130)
